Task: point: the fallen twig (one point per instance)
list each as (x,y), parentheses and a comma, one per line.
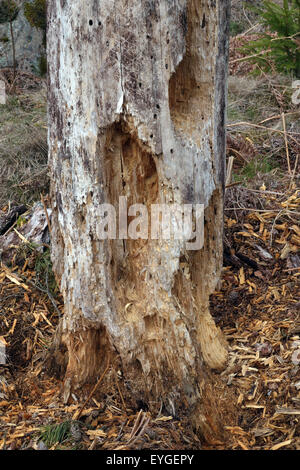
(286,143)
(229,170)
(278,116)
(93,390)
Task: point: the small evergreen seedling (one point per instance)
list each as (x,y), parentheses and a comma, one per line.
(281,50)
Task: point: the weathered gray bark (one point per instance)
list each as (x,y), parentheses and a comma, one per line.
(136,108)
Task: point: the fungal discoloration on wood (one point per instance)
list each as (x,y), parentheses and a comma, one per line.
(136,108)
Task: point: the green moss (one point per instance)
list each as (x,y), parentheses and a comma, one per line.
(36,15)
(8,11)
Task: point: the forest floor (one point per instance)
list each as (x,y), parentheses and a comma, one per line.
(257,305)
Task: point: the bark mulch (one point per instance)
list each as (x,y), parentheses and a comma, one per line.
(257,307)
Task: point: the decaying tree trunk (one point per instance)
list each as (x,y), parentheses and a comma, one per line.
(136,108)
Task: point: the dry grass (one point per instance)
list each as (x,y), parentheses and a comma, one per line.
(23,148)
(242,18)
(257,135)
(257,98)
